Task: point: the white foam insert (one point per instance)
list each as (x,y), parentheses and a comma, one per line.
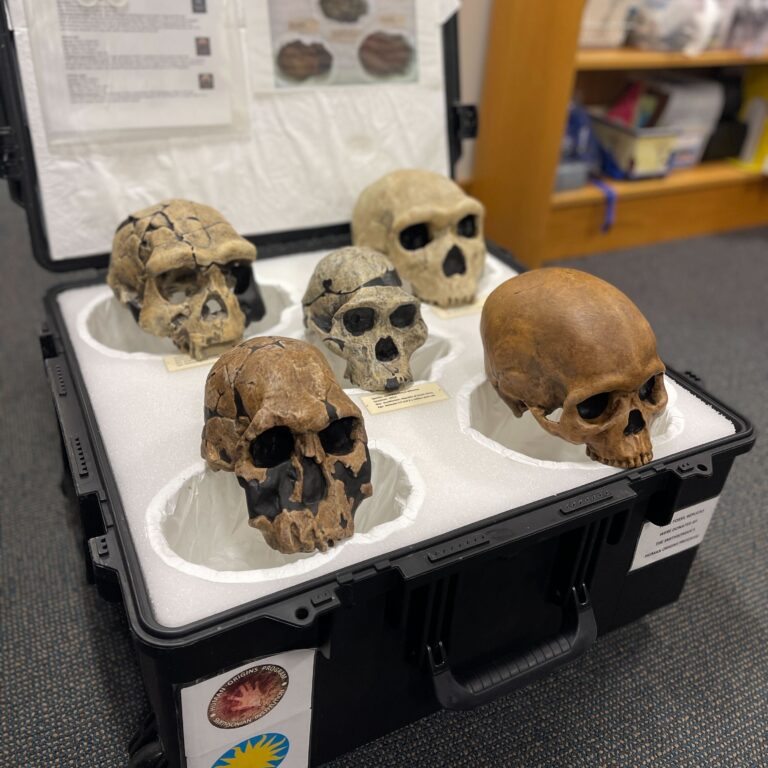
(436,475)
(307,154)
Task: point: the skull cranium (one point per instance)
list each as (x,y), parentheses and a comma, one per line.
(355,304)
(562,339)
(275,416)
(429,228)
(185,273)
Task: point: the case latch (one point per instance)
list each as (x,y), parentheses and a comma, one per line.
(465,121)
(10,168)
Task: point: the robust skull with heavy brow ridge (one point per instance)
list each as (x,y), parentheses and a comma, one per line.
(355,305)
(185,273)
(275,416)
(562,339)
(429,228)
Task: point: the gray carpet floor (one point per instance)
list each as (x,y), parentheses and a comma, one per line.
(686,686)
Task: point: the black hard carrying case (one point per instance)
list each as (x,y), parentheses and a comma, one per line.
(401,636)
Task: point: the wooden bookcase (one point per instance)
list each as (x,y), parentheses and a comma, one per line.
(532,66)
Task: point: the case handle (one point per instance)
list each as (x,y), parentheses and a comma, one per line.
(507,674)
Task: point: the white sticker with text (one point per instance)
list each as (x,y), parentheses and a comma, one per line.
(686,530)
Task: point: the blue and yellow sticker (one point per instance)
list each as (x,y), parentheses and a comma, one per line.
(265,751)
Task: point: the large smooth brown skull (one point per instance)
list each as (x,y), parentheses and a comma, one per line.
(431,231)
(562,339)
(185,273)
(355,305)
(275,416)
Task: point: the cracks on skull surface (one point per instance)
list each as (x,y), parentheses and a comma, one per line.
(389,278)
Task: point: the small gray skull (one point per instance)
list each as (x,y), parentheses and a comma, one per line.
(355,304)
(430,229)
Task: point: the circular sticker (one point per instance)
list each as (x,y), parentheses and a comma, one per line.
(247,696)
(265,751)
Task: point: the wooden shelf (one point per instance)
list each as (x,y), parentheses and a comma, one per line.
(589,59)
(697,178)
(518,147)
(712,197)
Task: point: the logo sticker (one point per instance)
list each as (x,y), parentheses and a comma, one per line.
(247,696)
(265,751)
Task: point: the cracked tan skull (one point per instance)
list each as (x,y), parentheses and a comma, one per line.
(429,228)
(562,339)
(176,265)
(275,416)
(355,305)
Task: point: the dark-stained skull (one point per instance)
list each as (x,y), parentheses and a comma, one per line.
(275,416)
(185,273)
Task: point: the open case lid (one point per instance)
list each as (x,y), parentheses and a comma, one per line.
(287,160)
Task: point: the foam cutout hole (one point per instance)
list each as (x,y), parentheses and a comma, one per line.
(201,525)
(485,416)
(110,324)
(427,362)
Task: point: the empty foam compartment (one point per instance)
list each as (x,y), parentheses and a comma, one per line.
(436,467)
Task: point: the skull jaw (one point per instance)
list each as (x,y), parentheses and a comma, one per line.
(207,342)
(449,292)
(201,338)
(302,530)
(624,452)
(289,525)
(376,377)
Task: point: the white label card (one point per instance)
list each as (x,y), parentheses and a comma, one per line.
(418,394)
(175,363)
(246,702)
(686,530)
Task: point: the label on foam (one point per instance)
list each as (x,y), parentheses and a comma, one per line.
(686,530)
(175,363)
(448,313)
(419,394)
(248,704)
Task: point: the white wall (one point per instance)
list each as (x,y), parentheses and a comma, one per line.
(474,18)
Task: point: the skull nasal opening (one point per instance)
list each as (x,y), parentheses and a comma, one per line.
(635,424)
(386,350)
(214,308)
(314,486)
(454,263)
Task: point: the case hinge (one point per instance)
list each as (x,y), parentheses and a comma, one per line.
(465,121)
(10,168)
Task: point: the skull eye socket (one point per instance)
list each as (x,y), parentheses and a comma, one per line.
(404,316)
(359,320)
(414,237)
(593,406)
(177,285)
(647,390)
(467,227)
(272,447)
(238,276)
(336,438)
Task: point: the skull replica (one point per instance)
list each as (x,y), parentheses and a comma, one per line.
(275,416)
(185,273)
(429,228)
(560,338)
(355,304)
